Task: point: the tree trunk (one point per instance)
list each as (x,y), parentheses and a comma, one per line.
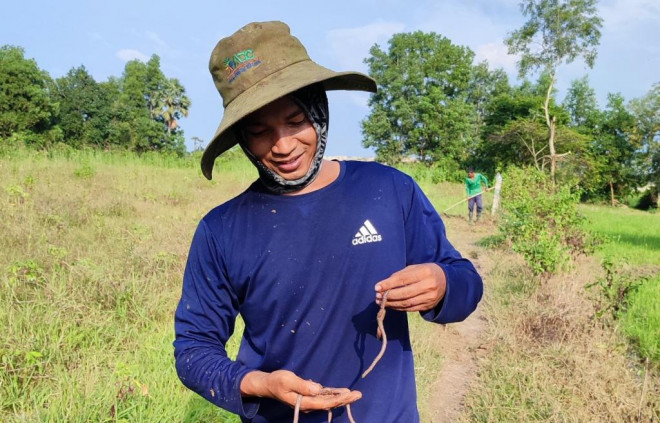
(553,155)
(611,193)
(551,127)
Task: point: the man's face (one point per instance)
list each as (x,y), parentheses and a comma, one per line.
(282,138)
(471,175)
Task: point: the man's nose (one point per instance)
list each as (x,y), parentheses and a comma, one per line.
(284,144)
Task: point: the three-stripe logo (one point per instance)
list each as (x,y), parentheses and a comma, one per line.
(366,234)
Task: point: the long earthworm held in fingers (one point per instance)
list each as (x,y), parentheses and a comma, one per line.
(296,411)
(380,333)
(323,391)
(350,415)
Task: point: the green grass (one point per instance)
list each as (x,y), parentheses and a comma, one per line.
(632,237)
(92,253)
(547,358)
(641,320)
(628,234)
(91,256)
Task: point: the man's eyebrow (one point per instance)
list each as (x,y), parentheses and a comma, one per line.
(295,113)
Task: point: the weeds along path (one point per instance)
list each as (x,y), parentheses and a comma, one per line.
(460,343)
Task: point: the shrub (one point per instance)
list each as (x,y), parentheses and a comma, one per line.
(540,220)
(615,288)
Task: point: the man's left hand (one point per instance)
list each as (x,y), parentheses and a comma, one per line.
(418,287)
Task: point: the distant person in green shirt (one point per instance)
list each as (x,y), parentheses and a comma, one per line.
(475,184)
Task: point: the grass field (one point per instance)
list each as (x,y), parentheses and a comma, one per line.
(91,258)
(629,235)
(631,240)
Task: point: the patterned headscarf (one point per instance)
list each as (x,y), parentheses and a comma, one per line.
(313,100)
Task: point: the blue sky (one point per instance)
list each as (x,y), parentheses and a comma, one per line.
(338,34)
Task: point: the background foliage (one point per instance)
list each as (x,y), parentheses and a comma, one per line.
(138,111)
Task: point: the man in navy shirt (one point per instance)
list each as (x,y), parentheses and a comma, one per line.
(306,254)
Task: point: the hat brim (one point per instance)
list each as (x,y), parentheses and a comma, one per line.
(269,89)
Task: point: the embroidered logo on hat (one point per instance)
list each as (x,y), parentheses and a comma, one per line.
(240,62)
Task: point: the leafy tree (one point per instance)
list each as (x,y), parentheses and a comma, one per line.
(556,31)
(615,150)
(582,105)
(420,108)
(84,108)
(607,165)
(150,106)
(646,111)
(514,130)
(522,142)
(484,86)
(25,106)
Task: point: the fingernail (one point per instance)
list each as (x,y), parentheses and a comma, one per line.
(379,296)
(378,288)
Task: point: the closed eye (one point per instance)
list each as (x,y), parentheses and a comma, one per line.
(255,131)
(298,119)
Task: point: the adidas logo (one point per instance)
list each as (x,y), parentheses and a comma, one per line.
(366,234)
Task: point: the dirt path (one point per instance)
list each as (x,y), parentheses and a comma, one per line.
(461,343)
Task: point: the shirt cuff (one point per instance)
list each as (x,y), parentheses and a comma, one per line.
(442,312)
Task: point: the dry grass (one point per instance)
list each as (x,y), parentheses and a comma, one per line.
(550,359)
(91,257)
(92,251)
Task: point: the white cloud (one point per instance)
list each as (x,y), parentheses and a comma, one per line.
(156,39)
(130,54)
(620,13)
(464,23)
(349,46)
(497,55)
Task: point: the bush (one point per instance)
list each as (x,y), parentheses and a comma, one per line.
(540,220)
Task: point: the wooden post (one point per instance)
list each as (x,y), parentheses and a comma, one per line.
(496,197)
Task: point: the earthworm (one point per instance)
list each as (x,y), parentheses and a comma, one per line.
(380,317)
(323,391)
(296,411)
(381,332)
(350,416)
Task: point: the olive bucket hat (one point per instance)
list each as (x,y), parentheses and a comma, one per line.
(258,64)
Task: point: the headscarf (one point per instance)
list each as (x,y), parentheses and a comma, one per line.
(313,100)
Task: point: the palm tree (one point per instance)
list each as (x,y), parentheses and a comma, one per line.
(173,103)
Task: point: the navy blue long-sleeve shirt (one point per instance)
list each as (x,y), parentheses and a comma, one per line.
(301,272)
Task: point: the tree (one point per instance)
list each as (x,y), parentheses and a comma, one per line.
(614,147)
(556,31)
(646,111)
(420,108)
(514,131)
(174,104)
(484,86)
(581,103)
(151,105)
(25,106)
(84,108)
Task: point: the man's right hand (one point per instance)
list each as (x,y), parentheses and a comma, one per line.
(285,386)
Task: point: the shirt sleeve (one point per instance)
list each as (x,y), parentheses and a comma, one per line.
(426,242)
(203,322)
(485,180)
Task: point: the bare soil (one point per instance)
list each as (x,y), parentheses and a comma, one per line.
(461,343)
